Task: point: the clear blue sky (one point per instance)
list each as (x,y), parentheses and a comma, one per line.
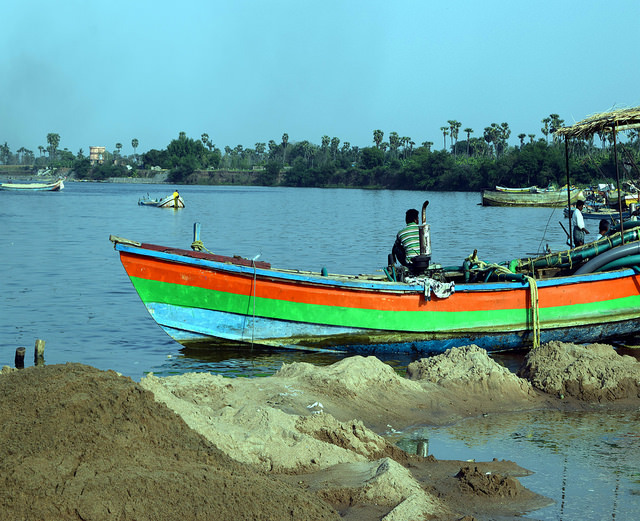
(247,71)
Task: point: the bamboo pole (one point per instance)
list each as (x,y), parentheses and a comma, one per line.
(615,154)
(566,159)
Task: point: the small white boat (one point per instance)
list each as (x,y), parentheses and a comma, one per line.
(171,201)
(34,187)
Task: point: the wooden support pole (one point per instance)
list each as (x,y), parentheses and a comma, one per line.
(20,357)
(38,355)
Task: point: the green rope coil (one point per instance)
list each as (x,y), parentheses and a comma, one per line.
(198,246)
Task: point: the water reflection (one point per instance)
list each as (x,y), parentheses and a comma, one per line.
(589,463)
(235,360)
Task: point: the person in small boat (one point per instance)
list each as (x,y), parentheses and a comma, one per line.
(603,229)
(407,244)
(176,196)
(577,224)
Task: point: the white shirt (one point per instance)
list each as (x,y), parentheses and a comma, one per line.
(577,219)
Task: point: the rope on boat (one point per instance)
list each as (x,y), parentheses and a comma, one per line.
(533,288)
(535,311)
(198,246)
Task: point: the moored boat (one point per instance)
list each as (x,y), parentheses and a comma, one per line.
(55,186)
(529,197)
(197,297)
(599,213)
(170,201)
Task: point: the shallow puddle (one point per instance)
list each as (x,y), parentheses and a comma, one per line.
(588,463)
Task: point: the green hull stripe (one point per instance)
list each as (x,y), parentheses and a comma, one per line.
(500,320)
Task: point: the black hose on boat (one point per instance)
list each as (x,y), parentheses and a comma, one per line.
(624,250)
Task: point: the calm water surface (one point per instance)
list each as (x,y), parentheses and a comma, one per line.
(64,283)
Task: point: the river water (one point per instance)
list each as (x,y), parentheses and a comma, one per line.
(63,283)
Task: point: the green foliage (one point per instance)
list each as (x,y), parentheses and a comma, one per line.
(105,171)
(81,168)
(474,163)
(269,176)
(372,157)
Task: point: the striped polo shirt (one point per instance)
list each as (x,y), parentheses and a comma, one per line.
(410,239)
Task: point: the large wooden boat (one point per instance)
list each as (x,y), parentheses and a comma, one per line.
(54,186)
(202,297)
(531,196)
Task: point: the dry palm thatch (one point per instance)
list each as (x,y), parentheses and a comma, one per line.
(617,120)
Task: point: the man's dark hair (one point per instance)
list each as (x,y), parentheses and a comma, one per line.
(411,216)
(604,225)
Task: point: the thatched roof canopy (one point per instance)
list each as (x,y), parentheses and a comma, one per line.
(622,119)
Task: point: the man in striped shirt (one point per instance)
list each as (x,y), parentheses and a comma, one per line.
(407,244)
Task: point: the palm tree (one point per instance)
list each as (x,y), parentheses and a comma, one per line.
(20,151)
(118,148)
(54,141)
(405,140)
(377,137)
(490,135)
(521,138)
(445,133)
(326,140)
(556,123)
(545,129)
(227,155)
(427,145)
(394,143)
(531,137)
(454,126)
(285,140)
(134,145)
(468,131)
(335,142)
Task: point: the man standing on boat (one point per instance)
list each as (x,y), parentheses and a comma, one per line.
(407,244)
(577,224)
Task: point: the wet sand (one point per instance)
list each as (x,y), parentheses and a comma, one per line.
(306,443)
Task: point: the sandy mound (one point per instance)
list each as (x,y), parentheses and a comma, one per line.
(592,373)
(470,370)
(266,422)
(307,419)
(473,481)
(78,443)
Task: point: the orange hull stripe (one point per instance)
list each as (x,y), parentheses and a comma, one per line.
(368,299)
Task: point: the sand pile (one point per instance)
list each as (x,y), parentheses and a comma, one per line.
(592,373)
(306,443)
(79,443)
(470,370)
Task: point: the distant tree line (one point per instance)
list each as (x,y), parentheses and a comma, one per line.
(468,164)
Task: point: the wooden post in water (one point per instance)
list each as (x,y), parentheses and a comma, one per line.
(196,232)
(38,355)
(20,357)
(422,448)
